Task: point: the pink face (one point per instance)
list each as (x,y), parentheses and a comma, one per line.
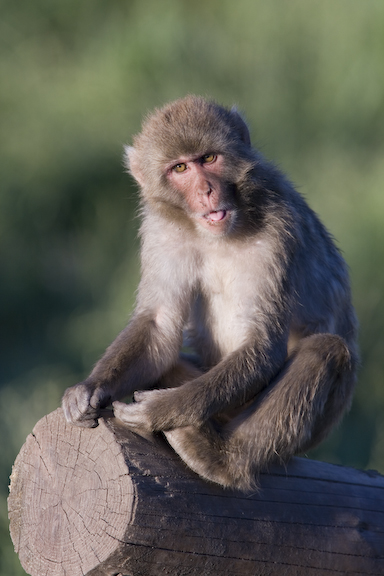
(199,180)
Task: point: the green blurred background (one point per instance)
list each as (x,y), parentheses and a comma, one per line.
(76,79)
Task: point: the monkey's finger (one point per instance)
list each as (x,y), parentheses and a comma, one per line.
(78,418)
(131,414)
(76,406)
(86,422)
(127,413)
(99,399)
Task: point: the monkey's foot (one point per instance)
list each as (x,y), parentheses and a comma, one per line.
(203,450)
(134,415)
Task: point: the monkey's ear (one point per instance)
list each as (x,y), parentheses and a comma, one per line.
(131,162)
(241,126)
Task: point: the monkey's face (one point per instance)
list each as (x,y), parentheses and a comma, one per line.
(202,187)
(193,161)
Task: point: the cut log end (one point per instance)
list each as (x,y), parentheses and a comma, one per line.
(71,497)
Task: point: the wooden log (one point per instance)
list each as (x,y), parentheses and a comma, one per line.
(107,502)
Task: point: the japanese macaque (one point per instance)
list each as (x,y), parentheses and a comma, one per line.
(237,269)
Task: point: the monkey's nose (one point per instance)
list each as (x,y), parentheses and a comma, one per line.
(206,190)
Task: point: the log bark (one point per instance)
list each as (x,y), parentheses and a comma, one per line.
(108,502)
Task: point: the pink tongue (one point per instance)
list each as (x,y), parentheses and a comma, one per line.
(217,216)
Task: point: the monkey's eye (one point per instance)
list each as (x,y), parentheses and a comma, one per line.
(208,158)
(180,167)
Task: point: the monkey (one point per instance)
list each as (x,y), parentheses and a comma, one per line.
(242,348)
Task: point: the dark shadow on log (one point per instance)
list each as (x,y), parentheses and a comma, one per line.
(105,502)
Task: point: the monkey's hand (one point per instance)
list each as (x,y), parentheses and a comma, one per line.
(134,415)
(82,403)
(152,410)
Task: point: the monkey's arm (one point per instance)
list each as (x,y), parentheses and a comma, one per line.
(146,348)
(136,359)
(232,382)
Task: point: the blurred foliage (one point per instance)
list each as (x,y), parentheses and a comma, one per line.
(76,79)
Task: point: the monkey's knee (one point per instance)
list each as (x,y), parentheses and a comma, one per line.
(331,365)
(301,405)
(326,350)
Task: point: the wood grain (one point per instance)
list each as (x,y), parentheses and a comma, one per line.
(106,501)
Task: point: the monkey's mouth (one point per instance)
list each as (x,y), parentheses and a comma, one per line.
(215,216)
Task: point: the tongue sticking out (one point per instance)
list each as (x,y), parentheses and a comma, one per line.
(216,216)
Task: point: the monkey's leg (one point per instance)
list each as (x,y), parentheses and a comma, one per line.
(293,413)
